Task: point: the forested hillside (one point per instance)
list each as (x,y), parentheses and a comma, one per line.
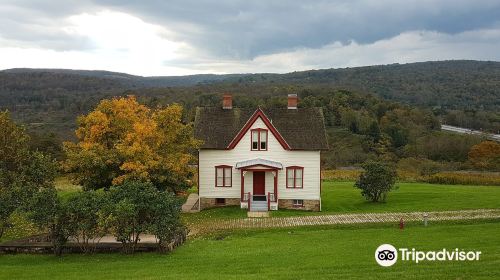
(462,93)
(389,111)
(457,84)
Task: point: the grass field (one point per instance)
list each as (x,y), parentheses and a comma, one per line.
(342,197)
(65,187)
(305,253)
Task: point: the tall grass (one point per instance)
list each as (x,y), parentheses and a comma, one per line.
(340,175)
(448,178)
(460,178)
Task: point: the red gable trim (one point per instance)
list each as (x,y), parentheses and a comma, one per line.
(258,114)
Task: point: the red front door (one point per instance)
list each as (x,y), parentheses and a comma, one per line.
(259,183)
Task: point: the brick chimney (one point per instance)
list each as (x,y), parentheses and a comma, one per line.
(292,101)
(227,101)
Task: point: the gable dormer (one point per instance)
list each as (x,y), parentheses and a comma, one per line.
(294,128)
(257,134)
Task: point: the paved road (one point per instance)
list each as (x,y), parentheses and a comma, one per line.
(336,219)
(462,130)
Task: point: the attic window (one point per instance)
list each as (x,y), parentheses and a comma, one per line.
(259,139)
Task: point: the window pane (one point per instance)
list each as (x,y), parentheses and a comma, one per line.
(298,177)
(289,176)
(220,177)
(263,139)
(263,145)
(227,178)
(255,140)
(298,202)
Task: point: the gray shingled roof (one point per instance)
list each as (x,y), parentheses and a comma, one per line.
(302,128)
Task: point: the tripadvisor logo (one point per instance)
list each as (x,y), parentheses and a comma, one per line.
(387,255)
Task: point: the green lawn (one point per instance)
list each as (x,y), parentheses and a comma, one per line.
(302,253)
(342,197)
(64,187)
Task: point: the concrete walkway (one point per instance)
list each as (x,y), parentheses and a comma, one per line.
(279,222)
(191,204)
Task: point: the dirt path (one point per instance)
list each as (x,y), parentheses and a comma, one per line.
(279,222)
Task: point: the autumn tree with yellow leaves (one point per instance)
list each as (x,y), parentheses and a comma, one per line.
(122,140)
(485,155)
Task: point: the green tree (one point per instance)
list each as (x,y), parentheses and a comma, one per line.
(376,181)
(131,212)
(166,218)
(22,172)
(83,213)
(398,135)
(49,212)
(137,207)
(374,131)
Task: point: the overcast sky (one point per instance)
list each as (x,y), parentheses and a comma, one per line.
(162,37)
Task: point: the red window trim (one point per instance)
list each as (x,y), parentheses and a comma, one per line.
(223,176)
(258,140)
(294,177)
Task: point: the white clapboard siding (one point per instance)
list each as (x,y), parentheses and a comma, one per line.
(310,160)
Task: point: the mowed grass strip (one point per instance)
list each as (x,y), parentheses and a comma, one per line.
(303,253)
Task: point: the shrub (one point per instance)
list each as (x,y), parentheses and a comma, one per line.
(485,155)
(83,219)
(130,213)
(166,218)
(376,181)
(138,208)
(19,226)
(48,211)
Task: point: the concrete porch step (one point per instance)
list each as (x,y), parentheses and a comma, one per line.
(258,206)
(256,214)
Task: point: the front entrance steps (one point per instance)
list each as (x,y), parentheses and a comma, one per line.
(191,205)
(258,206)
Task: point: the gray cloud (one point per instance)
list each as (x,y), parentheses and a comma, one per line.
(40,24)
(245,29)
(241,34)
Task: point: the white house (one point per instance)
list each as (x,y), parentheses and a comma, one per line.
(260,159)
